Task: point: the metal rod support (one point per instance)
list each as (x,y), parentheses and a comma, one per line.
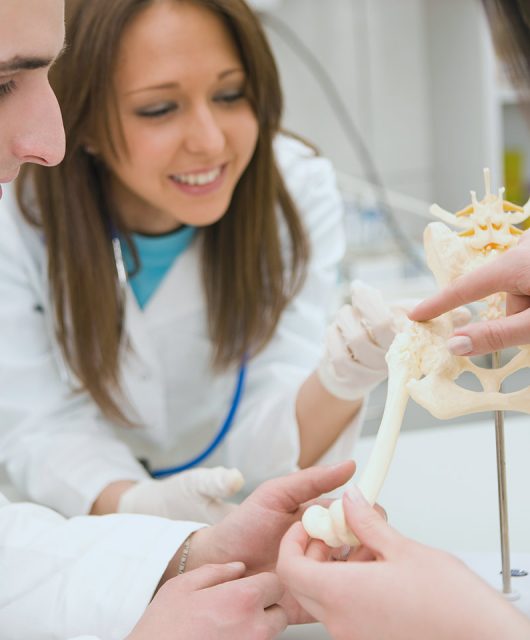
(503,498)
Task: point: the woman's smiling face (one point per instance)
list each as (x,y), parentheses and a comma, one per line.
(188,128)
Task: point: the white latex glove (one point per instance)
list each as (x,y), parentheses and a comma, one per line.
(359,337)
(197,495)
(356,344)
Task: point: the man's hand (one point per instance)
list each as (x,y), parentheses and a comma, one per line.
(215,601)
(252,532)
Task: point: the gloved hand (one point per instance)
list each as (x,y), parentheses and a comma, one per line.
(356,344)
(195,495)
(358,339)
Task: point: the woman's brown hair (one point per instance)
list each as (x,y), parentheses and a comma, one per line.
(246,281)
(509,22)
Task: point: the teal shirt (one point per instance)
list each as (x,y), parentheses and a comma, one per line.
(157,254)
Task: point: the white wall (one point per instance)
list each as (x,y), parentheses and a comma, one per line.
(375,51)
(465,117)
(418,79)
(335,30)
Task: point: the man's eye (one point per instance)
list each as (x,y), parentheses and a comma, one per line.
(158,111)
(7,87)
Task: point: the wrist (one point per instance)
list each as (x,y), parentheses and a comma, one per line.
(351,388)
(204,549)
(178,563)
(109,499)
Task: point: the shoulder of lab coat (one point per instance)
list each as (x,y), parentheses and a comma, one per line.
(57,448)
(88,575)
(266,420)
(312,184)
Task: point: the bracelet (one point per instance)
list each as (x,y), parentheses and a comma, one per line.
(184,555)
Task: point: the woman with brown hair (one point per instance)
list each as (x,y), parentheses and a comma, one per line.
(176,176)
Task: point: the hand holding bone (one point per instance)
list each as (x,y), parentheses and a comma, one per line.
(420,364)
(356,344)
(198,494)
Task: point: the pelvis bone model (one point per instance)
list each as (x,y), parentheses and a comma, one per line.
(419,363)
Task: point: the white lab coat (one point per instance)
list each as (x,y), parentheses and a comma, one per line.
(88,575)
(57,447)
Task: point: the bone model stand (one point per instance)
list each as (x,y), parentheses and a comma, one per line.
(420,365)
(503,498)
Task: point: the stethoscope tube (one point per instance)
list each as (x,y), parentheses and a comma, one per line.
(221,435)
(236,399)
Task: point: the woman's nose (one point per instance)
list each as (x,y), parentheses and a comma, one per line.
(39,136)
(204,135)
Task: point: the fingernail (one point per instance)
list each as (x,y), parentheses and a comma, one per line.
(236,565)
(354,495)
(338,465)
(460,345)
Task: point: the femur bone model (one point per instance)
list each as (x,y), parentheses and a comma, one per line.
(419,363)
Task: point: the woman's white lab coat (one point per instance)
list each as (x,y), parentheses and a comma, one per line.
(87,575)
(58,448)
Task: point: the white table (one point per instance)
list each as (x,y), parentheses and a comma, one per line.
(442,490)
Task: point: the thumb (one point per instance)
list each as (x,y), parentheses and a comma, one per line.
(210,575)
(218,482)
(371,530)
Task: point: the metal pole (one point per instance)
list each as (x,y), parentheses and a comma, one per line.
(501,485)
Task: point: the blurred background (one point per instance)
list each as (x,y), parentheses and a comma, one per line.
(408,100)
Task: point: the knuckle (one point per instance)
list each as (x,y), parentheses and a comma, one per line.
(494,334)
(250,596)
(457,290)
(214,569)
(521,278)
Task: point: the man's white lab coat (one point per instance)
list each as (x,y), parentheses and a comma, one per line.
(88,575)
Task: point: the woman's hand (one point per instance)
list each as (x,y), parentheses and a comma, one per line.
(356,345)
(510,273)
(408,592)
(196,495)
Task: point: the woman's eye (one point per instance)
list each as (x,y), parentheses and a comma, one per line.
(233,96)
(158,111)
(7,87)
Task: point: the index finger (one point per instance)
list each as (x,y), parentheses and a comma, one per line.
(473,286)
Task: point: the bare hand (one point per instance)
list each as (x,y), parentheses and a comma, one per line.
(252,533)
(214,601)
(410,592)
(509,273)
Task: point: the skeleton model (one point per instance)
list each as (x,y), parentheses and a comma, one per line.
(419,363)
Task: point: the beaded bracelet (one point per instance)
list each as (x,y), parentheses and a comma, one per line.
(184,555)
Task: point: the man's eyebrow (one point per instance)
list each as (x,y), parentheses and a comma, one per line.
(28,63)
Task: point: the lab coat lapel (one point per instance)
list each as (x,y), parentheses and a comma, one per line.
(179,294)
(141,375)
